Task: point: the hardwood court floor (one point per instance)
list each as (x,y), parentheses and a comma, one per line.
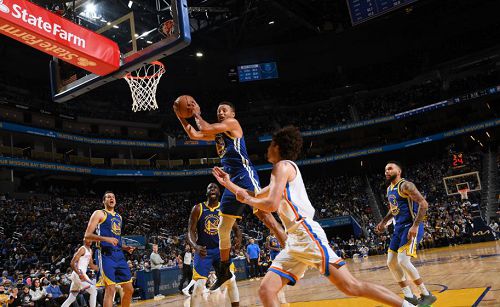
(466,275)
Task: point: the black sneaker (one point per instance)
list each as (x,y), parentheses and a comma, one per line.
(223,274)
(427,300)
(412,300)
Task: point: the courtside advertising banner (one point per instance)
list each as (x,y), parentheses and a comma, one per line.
(58,37)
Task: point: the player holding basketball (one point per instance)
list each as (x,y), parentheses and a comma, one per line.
(79,279)
(408,208)
(231,148)
(113,267)
(307,244)
(203,236)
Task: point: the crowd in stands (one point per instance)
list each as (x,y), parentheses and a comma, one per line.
(39,235)
(309,104)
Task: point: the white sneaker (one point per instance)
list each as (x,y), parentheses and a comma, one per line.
(252,279)
(258,278)
(186,292)
(159,297)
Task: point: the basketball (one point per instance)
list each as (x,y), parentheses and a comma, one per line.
(185,105)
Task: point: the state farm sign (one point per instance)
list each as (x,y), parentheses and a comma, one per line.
(59,37)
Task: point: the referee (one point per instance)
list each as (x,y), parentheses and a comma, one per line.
(187,272)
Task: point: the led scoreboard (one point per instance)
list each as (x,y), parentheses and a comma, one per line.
(259,71)
(363,10)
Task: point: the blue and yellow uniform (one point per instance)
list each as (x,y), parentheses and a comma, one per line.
(235,161)
(208,236)
(113,267)
(273,242)
(404,211)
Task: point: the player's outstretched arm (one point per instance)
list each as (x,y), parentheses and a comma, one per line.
(96,217)
(282,172)
(227,125)
(194,134)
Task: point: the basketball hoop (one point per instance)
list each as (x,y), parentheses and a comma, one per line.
(463,193)
(143,83)
(167,28)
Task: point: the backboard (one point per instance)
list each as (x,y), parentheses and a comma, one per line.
(470,181)
(136,26)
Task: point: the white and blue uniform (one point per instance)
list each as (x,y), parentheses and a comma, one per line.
(307,244)
(235,161)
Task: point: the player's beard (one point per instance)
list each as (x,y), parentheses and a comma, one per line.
(389,181)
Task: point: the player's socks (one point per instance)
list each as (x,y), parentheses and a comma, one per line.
(423,289)
(223,274)
(407,291)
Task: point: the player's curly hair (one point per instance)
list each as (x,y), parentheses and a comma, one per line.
(289,141)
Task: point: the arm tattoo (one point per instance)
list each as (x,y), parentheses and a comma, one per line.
(411,190)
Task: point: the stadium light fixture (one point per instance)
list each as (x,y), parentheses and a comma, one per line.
(199,54)
(130,3)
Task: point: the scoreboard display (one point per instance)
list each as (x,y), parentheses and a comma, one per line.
(254,72)
(457,160)
(363,10)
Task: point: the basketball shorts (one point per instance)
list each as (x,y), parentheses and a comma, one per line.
(273,254)
(307,246)
(79,285)
(399,240)
(113,267)
(229,206)
(203,265)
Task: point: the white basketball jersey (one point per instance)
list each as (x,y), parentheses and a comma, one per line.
(295,205)
(84,260)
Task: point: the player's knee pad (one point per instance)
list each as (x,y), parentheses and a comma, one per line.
(199,286)
(405,262)
(392,260)
(232,291)
(394,267)
(71,298)
(92,290)
(225,227)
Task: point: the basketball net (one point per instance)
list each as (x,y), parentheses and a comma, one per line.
(463,193)
(143,84)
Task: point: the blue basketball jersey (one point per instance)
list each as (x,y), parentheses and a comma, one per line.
(110,227)
(233,154)
(401,206)
(208,221)
(273,242)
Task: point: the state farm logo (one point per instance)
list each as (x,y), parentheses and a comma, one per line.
(3,8)
(86,62)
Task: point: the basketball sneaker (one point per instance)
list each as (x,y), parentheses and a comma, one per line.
(427,300)
(223,274)
(412,300)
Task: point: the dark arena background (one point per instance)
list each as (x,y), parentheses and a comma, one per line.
(366,82)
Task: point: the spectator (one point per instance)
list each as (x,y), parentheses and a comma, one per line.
(14,298)
(253,259)
(4,296)
(26,298)
(187,272)
(54,294)
(156,263)
(38,293)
